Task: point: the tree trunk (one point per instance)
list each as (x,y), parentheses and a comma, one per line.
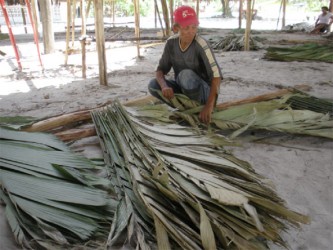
(47,24)
(226,12)
(240,15)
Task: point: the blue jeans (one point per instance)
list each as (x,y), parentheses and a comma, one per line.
(187,83)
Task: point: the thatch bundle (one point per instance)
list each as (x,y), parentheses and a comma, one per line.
(306,52)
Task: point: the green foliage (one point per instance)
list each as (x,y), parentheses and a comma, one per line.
(306,52)
(125,8)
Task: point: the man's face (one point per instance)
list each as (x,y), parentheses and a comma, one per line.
(188,33)
(324,11)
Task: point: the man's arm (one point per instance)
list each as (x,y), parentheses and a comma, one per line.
(166,90)
(206,113)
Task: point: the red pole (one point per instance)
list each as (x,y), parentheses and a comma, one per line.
(34,30)
(11,36)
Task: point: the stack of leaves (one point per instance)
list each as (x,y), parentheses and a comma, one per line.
(51,195)
(295,113)
(234,42)
(180,188)
(306,52)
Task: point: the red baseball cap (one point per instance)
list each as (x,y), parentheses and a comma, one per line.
(185,15)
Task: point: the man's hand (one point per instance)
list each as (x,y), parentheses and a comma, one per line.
(206,113)
(167,92)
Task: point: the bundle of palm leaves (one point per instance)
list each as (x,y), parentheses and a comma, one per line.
(295,113)
(53,197)
(179,188)
(234,42)
(306,52)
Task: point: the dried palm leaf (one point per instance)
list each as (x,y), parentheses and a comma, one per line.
(187,191)
(50,194)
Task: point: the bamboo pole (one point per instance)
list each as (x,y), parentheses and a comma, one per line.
(59,121)
(68,30)
(100,41)
(259,98)
(137,25)
(248,26)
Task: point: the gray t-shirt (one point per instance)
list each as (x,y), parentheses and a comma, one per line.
(197,57)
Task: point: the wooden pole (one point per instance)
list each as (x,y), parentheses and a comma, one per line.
(113,11)
(47,23)
(240,17)
(171,11)
(159,17)
(197,8)
(68,29)
(284,6)
(88,8)
(100,41)
(34,14)
(83,53)
(137,25)
(83,17)
(23,17)
(73,21)
(166,17)
(248,26)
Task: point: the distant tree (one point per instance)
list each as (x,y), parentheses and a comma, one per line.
(226,11)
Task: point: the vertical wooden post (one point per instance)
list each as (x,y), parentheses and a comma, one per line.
(23,17)
(83,17)
(248,26)
(197,8)
(34,14)
(171,11)
(83,52)
(88,8)
(284,4)
(166,17)
(240,17)
(137,25)
(113,11)
(73,21)
(83,37)
(68,29)
(100,41)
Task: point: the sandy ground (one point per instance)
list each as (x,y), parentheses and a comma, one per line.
(300,167)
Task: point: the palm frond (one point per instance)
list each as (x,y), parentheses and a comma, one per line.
(188,191)
(49,196)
